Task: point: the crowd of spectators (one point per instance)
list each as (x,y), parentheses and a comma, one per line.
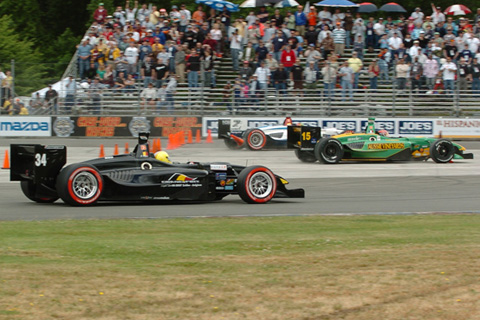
(271,49)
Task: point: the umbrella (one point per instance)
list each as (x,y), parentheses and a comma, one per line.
(258,3)
(336,3)
(392,7)
(286,3)
(367,7)
(457,9)
(219,4)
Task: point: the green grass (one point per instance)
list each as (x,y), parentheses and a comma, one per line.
(320,267)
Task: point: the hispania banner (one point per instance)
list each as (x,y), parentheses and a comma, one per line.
(100,126)
(13,126)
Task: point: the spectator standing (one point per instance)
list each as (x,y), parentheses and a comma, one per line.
(180,59)
(449,71)
(263,76)
(100,14)
(207,69)
(339,34)
(199,16)
(417,16)
(297,78)
(329,73)
(475,69)
(401,70)
(245,71)
(359,46)
(373,72)
(143,13)
(311,35)
(280,77)
(416,73)
(51,99)
(300,20)
(288,58)
(121,64)
(430,71)
(160,73)
(94,91)
(84,53)
(347,79)
(348,26)
(312,17)
(278,42)
(235,48)
(437,15)
(131,54)
(378,30)
(327,45)
(193,69)
(312,55)
(356,65)
(129,85)
(325,14)
(148,96)
(465,75)
(261,52)
(70,92)
(311,76)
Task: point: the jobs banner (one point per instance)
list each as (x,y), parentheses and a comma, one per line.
(99,126)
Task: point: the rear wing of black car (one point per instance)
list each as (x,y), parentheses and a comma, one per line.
(303,137)
(224,128)
(38,163)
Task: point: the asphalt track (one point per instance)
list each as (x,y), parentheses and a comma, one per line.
(347,188)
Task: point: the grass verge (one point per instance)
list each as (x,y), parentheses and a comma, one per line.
(349,267)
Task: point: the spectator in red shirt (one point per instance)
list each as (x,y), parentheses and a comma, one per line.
(100,13)
(288,58)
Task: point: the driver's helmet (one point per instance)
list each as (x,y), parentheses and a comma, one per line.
(383,132)
(162,156)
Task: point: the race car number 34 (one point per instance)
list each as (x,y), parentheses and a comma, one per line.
(40,159)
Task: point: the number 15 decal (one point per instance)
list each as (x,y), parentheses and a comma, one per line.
(40,159)
(306,136)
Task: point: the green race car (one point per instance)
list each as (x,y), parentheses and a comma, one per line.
(372,145)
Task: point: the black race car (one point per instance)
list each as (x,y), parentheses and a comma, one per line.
(137,176)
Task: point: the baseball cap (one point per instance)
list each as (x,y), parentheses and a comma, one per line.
(312,45)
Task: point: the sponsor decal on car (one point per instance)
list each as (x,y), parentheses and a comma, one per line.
(386,146)
(220,167)
(180,177)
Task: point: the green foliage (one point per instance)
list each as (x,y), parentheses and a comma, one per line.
(29,70)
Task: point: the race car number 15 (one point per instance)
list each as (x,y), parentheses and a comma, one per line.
(40,159)
(306,136)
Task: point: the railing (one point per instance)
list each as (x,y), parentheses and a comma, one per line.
(209,102)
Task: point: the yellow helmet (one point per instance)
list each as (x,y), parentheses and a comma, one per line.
(162,156)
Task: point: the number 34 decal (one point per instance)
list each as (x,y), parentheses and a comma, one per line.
(40,159)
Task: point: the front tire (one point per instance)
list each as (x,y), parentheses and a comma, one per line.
(256,139)
(329,151)
(79,184)
(305,156)
(28,189)
(256,184)
(442,151)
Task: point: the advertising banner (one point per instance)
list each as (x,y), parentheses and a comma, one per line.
(99,126)
(406,127)
(24,126)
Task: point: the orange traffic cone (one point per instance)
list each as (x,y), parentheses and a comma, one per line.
(102,152)
(182,137)
(153,148)
(6,161)
(189,139)
(170,142)
(115,150)
(198,139)
(209,136)
(126,148)
(159,144)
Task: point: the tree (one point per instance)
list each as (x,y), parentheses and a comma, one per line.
(29,69)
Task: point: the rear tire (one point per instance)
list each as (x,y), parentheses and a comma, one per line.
(256,139)
(329,151)
(79,184)
(442,151)
(305,156)
(28,188)
(256,184)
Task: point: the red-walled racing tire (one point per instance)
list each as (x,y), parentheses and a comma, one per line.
(79,184)
(256,184)
(256,139)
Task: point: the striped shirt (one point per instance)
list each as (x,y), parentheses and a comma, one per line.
(339,35)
